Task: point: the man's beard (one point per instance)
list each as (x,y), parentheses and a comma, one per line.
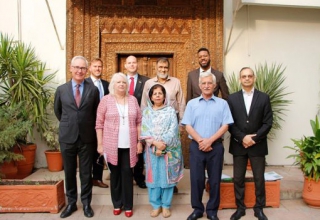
(205,65)
(162,76)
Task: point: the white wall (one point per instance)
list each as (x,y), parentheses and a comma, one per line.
(37,28)
(283,35)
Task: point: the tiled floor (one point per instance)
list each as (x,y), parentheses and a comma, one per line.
(291,204)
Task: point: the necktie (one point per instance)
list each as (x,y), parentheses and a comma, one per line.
(100,89)
(131,89)
(78,95)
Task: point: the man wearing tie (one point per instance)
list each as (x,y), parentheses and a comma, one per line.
(95,69)
(136,84)
(75,106)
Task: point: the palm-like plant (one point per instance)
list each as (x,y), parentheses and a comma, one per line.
(23,79)
(269,80)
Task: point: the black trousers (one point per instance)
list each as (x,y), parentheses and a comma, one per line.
(239,172)
(70,152)
(138,175)
(97,168)
(121,181)
(199,161)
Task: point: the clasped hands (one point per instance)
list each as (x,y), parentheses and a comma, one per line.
(205,144)
(159,146)
(248,141)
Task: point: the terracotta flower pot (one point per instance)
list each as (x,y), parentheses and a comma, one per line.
(21,196)
(311,192)
(25,167)
(54,160)
(9,170)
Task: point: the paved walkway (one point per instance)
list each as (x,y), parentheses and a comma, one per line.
(291,204)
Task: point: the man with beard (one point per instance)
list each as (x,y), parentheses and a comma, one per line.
(173,89)
(95,69)
(193,89)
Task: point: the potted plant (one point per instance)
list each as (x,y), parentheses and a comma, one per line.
(23,79)
(14,125)
(53,155)
(307,156)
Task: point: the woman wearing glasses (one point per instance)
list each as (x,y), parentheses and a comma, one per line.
(118,128)
(163,155)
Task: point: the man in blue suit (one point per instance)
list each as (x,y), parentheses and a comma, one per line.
(75,106)
(252,115)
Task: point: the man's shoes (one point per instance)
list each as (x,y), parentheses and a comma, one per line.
(99,183)
(87,211)
(142,185)
(68,211)
(238,214)
(175,189)
(212,217)
(195,216)
(260,215)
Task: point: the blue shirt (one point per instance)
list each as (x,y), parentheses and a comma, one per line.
(74,87)
(207,116)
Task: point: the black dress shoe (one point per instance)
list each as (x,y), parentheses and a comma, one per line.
(260,215)
(68,211)
(195,216)
(88,212)
(212,217)
(142,185)
(238,214)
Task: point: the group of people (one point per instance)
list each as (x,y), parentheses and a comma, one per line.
(135,122)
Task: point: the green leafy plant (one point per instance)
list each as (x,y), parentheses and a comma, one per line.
(269,79)
(14,125)
(23,79)
(307,152)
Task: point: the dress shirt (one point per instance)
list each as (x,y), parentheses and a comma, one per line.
(205,71)
(247,97)
(96,83)
(207,116)
(173,90)
(74,87)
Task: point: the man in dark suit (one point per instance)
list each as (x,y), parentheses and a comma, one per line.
(193,89)
(252,115)
(96,67)
(75,106)
(136,84)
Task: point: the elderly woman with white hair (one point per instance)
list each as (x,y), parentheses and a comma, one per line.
(118,128)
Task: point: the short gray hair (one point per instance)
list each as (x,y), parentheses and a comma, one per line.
(79,58)
(112,81)
(205,74)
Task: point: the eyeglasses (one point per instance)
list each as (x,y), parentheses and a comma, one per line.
(246,76)
(83,69)
(98,161)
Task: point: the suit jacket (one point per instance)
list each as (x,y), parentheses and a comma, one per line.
(74,121)
(193,89)
(259,122)
(105,85)
(139,87)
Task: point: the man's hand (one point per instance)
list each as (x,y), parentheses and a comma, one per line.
(139,148)
(205,145)
(248,141)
